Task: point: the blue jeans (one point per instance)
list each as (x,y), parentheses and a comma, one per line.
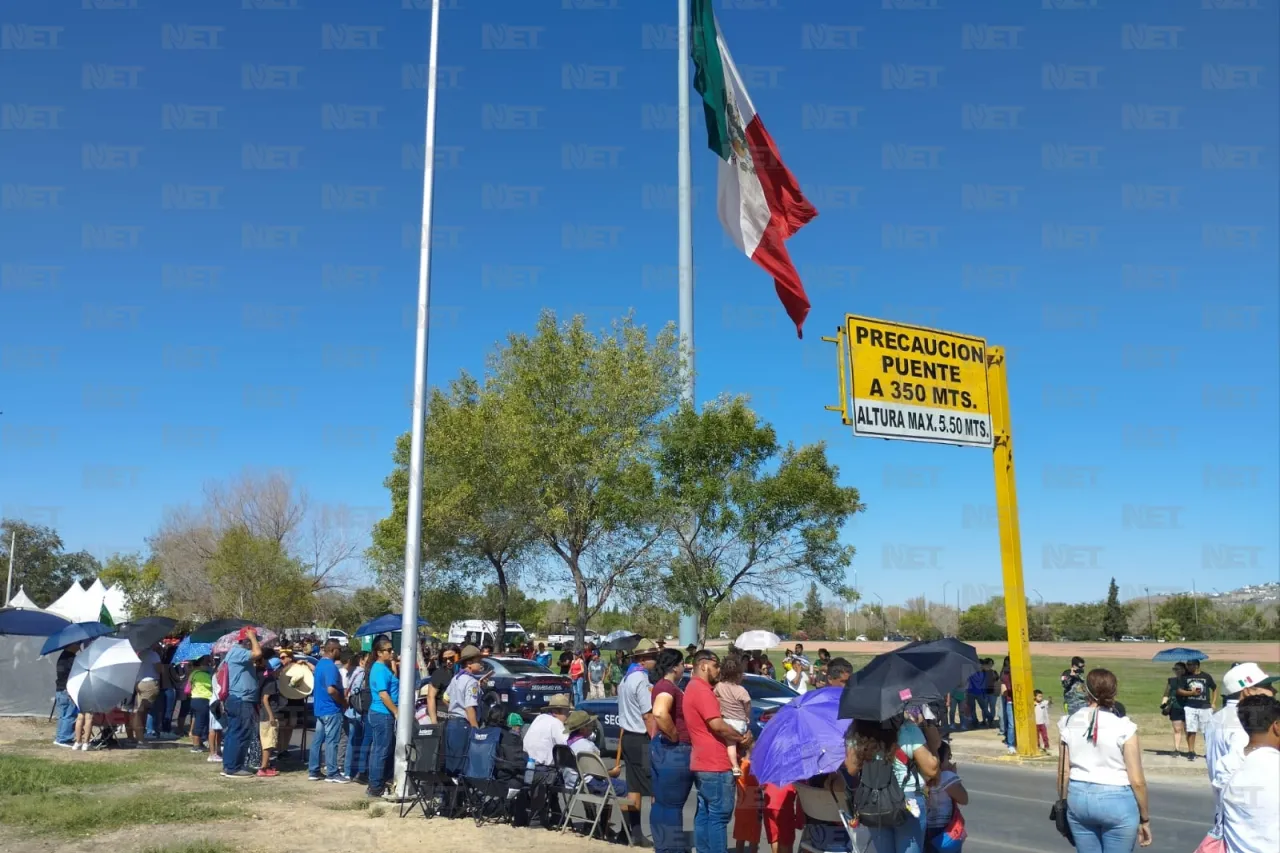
(715,807)
(1103,818)
(237,729)
(908,838)
(672,781)
(988,708)
(328,731)
(577,690)
(156,714)
(355,742)
(1010,725)
(166,715)
(65,710)
(382,736)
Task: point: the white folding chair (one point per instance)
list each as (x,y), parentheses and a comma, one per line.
(590,764)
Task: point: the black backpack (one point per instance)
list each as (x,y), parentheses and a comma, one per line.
(879,801)
(359,698)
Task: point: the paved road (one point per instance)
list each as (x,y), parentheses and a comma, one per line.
(1009,811)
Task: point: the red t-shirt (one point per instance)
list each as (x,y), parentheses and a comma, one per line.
(700,705)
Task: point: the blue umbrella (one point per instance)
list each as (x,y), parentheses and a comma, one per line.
(1179,653)
(805,738)
(80,632)
(385,625)
(21,622)
(187,650)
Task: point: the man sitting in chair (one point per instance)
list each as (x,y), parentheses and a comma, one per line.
(579,727)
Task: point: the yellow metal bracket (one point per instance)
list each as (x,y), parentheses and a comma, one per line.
(843,374)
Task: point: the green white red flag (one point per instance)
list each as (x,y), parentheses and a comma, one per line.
(758,200)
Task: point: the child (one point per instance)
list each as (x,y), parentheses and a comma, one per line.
(1042,721)
(944,793)
(201,681)
(735,704)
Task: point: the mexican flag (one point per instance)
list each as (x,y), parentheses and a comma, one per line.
(757,197)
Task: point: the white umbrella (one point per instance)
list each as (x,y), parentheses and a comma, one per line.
(752,641)
(103,675)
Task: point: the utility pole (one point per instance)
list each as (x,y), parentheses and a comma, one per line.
(1195,603)
(1150,619)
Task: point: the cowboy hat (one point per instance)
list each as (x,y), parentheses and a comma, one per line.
(577,720)
(296,681)
(560,701)
(468,653)
(644,648)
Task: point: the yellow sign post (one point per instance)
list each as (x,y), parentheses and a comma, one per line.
(915,384)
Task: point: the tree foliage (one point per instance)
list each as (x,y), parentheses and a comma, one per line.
(979,622)
(139,579)
(1194,615)
(253,577)
(1167,631)
(1115,621)
(745,512)
(917,625)
(40,565)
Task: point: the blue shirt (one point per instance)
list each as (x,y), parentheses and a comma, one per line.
(543,658)
(326,676)
(242,678)
(382,678)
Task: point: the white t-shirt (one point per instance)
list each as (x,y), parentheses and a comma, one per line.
(1102,762)
(542,735)
(940,805)
(1251,804)
(1224,744)
(149,670)
(798,680)
(1042,712)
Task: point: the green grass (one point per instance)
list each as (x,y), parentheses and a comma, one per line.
(353,806)
(20,774)
(80,814)
(194,847)
(377,811)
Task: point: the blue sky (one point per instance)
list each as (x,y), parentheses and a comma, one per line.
(209,250)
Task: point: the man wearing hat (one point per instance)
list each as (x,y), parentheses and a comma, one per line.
(1225,738)
(547,730)
(578,728)
(635,717)
(464,689)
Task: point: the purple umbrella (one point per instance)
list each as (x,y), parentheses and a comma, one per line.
(805,738)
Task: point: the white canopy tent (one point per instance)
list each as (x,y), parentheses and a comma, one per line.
(85,605)
(70,604)
(23,600)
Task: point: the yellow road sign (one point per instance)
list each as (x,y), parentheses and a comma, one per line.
(918,384)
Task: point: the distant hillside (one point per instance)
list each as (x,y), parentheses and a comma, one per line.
(1260,594)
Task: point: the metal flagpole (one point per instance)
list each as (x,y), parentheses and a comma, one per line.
(8,587)
(413,538)
(684,269)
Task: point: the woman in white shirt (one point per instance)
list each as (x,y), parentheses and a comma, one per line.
(1101,764)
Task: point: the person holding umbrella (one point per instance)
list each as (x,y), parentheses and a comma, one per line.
(64,709)
(241,702)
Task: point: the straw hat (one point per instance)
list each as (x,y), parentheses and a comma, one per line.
(645,648)
(468,653)
(577,720)
(296,681)
(560,701)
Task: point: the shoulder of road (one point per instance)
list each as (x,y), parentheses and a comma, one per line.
(985,746)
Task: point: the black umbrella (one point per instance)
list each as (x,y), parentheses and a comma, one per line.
(622,643)
(884,687)
(209,632)
(146,632)
(948,663)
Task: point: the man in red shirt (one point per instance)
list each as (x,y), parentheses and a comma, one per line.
(709,760)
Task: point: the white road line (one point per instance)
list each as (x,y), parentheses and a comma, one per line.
(1049,803)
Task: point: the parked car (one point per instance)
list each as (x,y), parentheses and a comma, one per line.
(767,696)
(861,638)
(523,685)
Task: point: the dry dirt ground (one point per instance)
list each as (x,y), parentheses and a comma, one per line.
(1260,652)
(282,815)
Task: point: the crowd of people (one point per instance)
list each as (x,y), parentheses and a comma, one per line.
(697,740)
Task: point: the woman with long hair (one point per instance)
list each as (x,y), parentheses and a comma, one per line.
(1100,767)
(669,754)
(1172,708)
(1006,707)
(892,741)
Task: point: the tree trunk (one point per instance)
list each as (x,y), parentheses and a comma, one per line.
(580,593)
(704,617)
(500,629)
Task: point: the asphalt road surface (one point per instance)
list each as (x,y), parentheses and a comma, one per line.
(1009,811)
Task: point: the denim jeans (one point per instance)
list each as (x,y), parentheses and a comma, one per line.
(908,838)
(355,743)
(382,737)
(328,731)
(1010,725)
(65,710)
(1103,818)
(155,714)
(672,781)
(988,708)
(238,728)
(577,690)
(715,807)
(166,715)
(955,715)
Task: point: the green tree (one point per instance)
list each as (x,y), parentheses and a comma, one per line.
(1196,616)
(875,613)
(979,623)
(587,409)
(478,505)
(255,578)
(1079,622)
(1115,621)
(139,579)
(746,512)
(813,621)
(40,566)
(1167,631)
(349,612)
(917,625)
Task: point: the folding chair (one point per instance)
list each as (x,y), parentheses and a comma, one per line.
(484,799)
(586,765)
(426,781)
(105,727)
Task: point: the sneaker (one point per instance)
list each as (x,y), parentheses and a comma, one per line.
(267,772)
(196,750)
(1013,751)
(339,779)
(238,774)
(372,794)
(314,778)
(361,778)
(1191,756)
(214,759)
(64,744)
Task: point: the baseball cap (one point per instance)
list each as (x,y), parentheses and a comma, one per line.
(1245,675)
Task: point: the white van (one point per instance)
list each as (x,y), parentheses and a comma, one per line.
(481,632)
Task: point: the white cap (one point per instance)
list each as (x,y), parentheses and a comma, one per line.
(1245,675)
